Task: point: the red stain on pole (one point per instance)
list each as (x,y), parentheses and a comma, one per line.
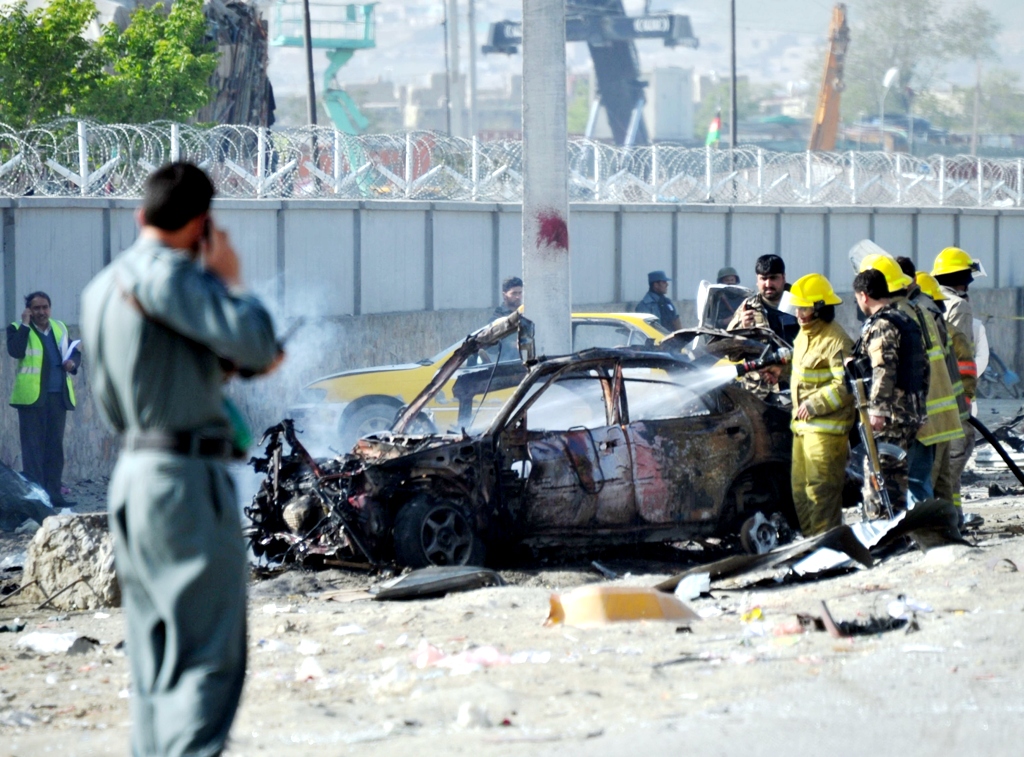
(552,231)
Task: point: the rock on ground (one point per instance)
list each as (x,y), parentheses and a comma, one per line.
(68,548)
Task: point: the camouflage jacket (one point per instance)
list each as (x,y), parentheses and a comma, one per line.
(880,343)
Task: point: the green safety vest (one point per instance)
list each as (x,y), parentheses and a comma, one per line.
(29,374)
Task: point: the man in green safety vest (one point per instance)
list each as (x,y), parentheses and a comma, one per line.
(43,392)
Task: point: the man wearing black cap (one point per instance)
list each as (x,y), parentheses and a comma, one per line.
(657,303)
(761,310)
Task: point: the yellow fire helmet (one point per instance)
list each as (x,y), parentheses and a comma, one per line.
(813,289)
(953,259)
(888,267)
(930,286)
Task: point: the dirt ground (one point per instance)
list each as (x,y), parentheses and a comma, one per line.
(329,676)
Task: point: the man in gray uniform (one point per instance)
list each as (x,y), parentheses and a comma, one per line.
(165,322)
(656,301)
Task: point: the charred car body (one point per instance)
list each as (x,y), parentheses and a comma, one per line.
(599,447)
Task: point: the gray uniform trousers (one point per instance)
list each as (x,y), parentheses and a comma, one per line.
(181,563)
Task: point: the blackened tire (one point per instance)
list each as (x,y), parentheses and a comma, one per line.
(436,532)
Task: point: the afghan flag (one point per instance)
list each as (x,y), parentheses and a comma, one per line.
(714,128)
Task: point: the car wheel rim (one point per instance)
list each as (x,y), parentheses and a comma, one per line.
(446,537)
(372,426)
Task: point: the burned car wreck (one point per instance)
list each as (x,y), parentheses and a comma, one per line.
(605,446)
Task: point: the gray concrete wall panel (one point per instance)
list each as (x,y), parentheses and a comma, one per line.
(592,252)
(753,235)
(701,240)
(510,244)
(935,231)
(803,243)
(253,233)
(318,262)
(894,232)
(393,260)
(59,250)
(462,259)
(1011,250)
(845,230)
(124,230)
(978,237)
(646,246)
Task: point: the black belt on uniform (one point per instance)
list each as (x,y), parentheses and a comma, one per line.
(180,442)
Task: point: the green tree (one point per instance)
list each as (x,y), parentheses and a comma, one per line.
(971,36)
(159,66)
(907,34)
(46,67)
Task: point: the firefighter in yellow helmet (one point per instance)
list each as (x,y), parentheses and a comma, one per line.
(954,269)
(942,422)
(822,406)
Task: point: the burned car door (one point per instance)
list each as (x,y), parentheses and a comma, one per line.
(688,442)
(577,466)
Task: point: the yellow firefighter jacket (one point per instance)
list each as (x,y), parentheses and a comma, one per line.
(943,422)
(818,379)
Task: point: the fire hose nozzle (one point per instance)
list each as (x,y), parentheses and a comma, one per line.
(781,356)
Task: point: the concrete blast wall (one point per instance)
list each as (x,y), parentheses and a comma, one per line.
(392,281)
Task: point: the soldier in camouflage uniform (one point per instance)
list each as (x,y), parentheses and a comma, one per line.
(895,414)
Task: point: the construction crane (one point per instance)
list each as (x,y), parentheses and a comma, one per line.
(610,34)
(826,114)
(341,30)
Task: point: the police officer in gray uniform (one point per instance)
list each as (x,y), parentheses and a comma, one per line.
(657,303)
(166,322)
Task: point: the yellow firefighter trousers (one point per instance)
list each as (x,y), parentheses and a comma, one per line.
(819,471)
(942,476)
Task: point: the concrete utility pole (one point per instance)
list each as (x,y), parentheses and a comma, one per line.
(307,43)
(458,98)
(471,17)
(733,116)
(547,292)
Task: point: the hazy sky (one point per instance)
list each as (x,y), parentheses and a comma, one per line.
(774,40)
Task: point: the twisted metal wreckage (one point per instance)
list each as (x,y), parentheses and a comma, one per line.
(605,446)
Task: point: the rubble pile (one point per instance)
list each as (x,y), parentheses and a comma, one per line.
(71,562)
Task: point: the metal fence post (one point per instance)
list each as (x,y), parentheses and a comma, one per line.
(597,172)
(475,167)
(83,157)
(942,180)
(175,143)
(654,173)
(261,147)
(1020,182)
(853,177)
(808,186)
(336,162)
(408,165)
(981,183)
(899,179)
(760,176)
(707,171)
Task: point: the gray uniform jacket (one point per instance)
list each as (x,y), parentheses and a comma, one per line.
(161,372)
(661,306)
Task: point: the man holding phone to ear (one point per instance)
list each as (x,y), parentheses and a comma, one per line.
(166,322)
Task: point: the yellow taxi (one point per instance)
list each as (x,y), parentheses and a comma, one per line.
(360,402)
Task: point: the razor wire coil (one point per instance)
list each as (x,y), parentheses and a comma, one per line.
(71,158)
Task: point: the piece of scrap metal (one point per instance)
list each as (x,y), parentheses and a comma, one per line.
(436,581)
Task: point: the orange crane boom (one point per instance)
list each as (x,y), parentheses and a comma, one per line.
(826,115)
